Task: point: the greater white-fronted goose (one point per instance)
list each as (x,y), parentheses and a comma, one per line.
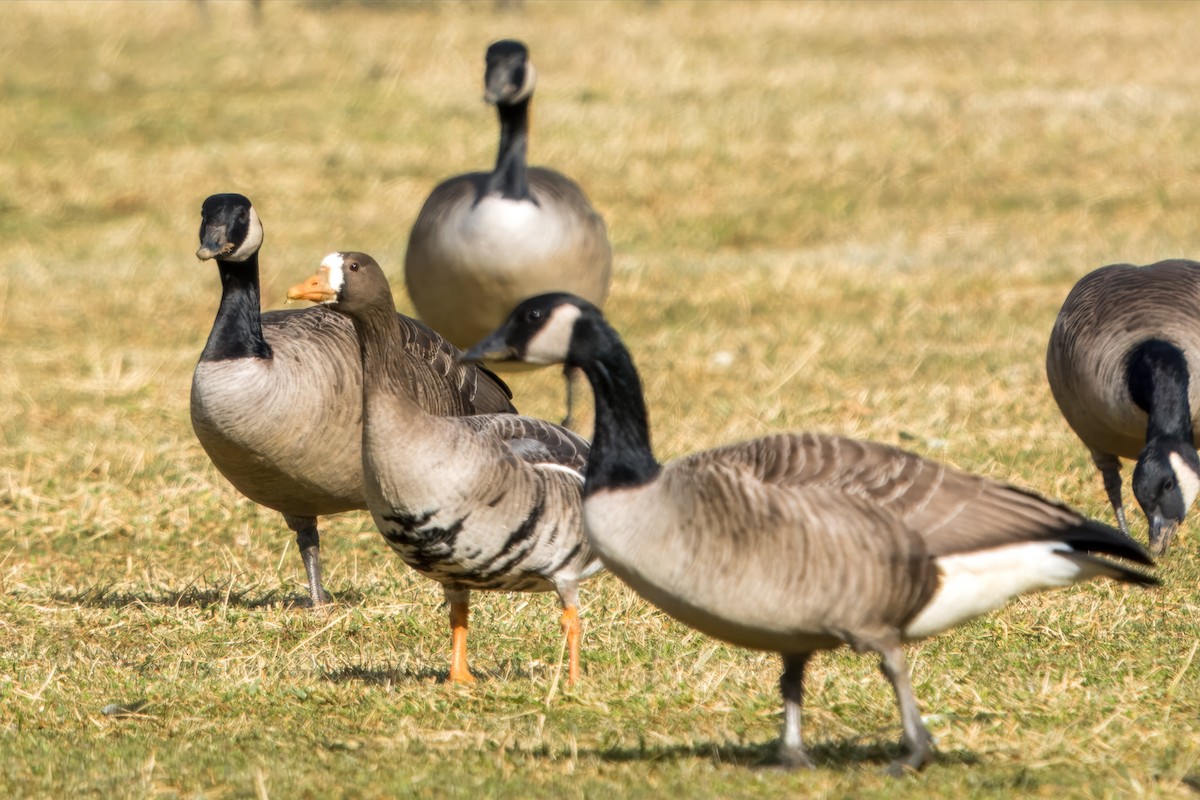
(1119,362)
(486,502)
(264,376)
(484,241)
(802,542)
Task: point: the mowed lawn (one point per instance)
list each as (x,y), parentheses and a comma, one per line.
(856,218)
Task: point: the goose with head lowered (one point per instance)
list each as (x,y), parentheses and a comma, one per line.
(484,241)
(1120,359)
(800,542)
(264,376)
(484,502)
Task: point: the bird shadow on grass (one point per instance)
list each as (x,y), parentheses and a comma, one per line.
(203,597)
(765,756)
(374,676)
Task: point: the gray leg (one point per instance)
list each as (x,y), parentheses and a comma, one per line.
(308,540)
(1110,470)
(791,684)
(917,740)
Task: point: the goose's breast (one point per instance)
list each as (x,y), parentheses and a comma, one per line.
(463,522)
(490,255)
(285,432)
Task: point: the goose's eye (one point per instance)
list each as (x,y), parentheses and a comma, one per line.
(354,266)
(533,315)
(1168,485)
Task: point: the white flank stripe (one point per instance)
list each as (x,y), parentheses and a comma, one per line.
(975,583)
(562,468)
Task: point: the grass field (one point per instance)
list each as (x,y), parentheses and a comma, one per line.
(858,218)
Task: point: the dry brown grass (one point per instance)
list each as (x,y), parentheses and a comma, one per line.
(850,217)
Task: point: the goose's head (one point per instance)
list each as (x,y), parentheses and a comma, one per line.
(351,283)
(557,328)
(229,228)
(1166,480)
(509,76)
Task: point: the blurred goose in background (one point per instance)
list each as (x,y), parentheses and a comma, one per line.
(485,502)
(801,542)
(484,241)
(1119,364)
(264,377)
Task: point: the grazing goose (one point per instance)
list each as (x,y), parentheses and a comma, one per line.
(1119,363)
(263,377)
(486,502)
(801,542)
(484,241)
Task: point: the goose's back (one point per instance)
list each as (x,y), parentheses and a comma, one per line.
(770,541)
(722,543)
(473,256)
(1106,314)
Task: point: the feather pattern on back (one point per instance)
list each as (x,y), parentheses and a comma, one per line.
(1106,314)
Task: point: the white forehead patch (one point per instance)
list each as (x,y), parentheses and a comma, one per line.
(1186,477)
(252,242)
(332,264)
(552,342)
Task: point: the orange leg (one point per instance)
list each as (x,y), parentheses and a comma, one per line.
(572,629)
(459,671)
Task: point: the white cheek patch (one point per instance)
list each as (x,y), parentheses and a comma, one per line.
(335,276)
(529,84)
(1186,477)
(253,241)
(552,342)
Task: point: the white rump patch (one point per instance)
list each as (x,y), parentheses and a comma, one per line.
(334,275)
(552,342)
(253,240)
(1186,477)
(975,583)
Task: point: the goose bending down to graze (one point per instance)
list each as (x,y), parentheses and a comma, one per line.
(486,502)
(1120,360)
(801,542)
(485,241)
(264,377)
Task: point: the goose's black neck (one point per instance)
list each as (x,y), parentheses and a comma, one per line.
(237,329)
(1157,377)
(510,179)
(621,456)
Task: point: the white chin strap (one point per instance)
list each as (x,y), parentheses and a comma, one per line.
(1186,477)
(253,240)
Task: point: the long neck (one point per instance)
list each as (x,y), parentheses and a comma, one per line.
(621,455)
(380,343)
(510,178)
(237,330)
(1157,376)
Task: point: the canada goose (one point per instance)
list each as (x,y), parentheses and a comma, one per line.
(486,502)
(484,241)
(1119,360)
(801,542)
(261,377)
